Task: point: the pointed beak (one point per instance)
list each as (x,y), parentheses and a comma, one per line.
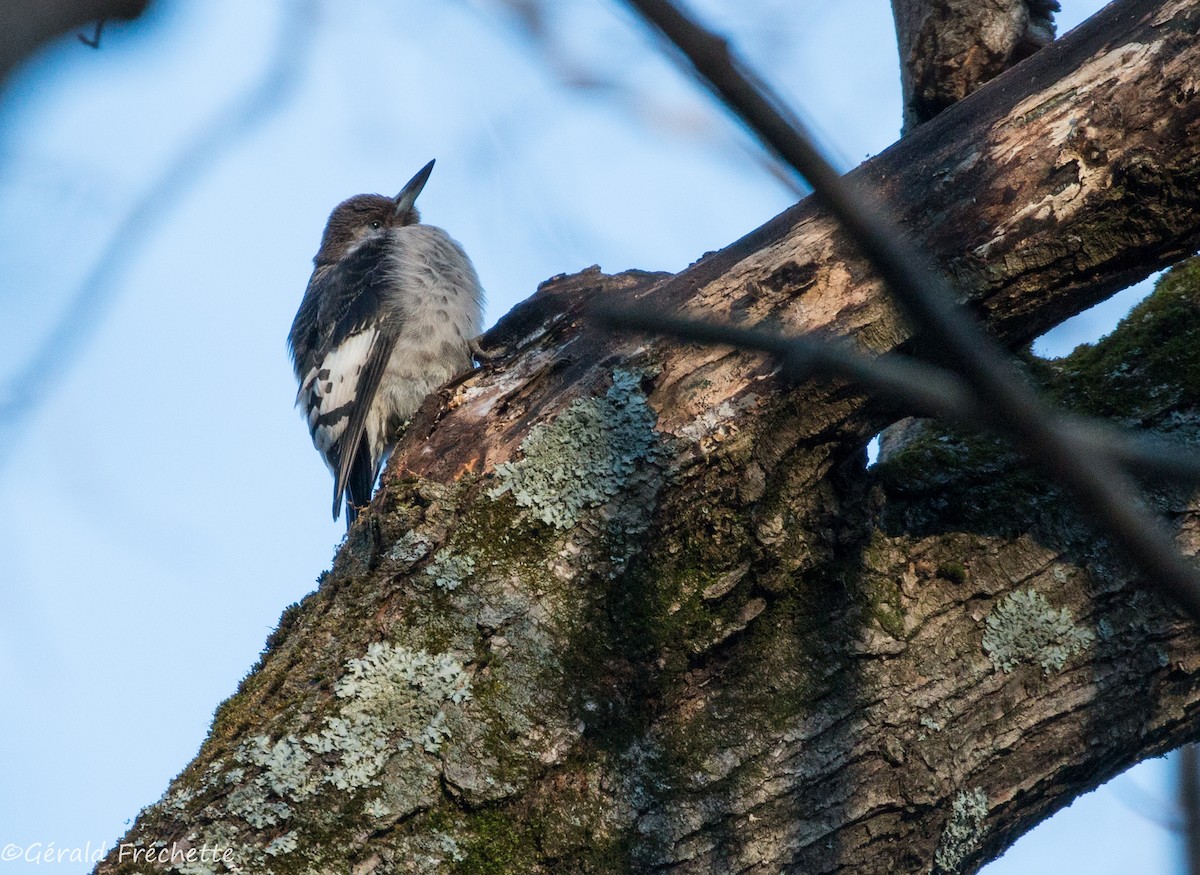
(408,195)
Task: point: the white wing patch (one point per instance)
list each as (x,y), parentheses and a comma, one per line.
(329,391)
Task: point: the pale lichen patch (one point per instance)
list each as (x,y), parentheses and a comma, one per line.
(410,548)
(586,456)
(283,844)
(1024,628)
(450,569)
(390,716)
(392,709)
(963,830)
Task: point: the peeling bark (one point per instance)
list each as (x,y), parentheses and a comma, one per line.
(623,605)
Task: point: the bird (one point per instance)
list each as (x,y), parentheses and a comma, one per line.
(392,312)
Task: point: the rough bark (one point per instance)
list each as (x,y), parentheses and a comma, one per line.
(949,48)
(624,605)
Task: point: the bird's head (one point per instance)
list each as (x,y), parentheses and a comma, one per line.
(366,215)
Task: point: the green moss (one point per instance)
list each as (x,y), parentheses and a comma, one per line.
(797,657)
(956,481)
(266,679)
(707,537)
(1148,365)
(953,571)
(649,617)
(1145,370)
(496,842)
(660,603)
(884,600)
(562,833)
(287,620)
(780,679)
(503,539)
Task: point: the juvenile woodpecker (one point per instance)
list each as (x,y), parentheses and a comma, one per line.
(390,314)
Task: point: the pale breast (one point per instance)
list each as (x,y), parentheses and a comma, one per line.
(437,295)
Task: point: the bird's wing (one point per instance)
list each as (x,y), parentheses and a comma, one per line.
(356,469)
(343,350)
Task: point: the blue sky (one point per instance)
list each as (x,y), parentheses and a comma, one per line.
(163,504)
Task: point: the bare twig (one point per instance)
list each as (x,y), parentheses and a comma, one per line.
(1146,805)
(1102,490)
(93,41)
(533,22)
(32,383)
(26,24)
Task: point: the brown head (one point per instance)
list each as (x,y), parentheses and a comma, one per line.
(359,217)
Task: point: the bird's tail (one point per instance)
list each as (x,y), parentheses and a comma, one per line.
(360,483)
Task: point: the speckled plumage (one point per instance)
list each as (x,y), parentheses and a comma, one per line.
(387,318)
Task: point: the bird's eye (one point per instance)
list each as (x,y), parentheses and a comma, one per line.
(377,224)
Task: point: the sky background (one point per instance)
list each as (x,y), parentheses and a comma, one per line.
(161,504)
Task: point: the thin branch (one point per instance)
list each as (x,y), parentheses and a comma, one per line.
(93,41)
(245,114)
(1102,490)
(921,389)
(1146,805)
(27,24)
(532,21)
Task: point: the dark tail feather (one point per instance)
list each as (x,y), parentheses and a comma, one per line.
(359,483)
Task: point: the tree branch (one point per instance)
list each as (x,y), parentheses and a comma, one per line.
(949,48)
(36,378)
(918,389)
(1095,480)
(26,24)
(625,605)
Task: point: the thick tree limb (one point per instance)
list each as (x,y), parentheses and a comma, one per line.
(917,386)
(1062,181)
(1100,487)
(948,49)
(627,606)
